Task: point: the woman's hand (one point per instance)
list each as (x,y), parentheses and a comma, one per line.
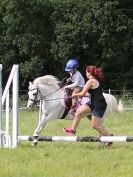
(74,95)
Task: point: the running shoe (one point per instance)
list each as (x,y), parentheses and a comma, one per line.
(69,131)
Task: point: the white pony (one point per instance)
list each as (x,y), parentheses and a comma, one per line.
(47,88)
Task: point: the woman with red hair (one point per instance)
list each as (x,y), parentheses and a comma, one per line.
(97,104)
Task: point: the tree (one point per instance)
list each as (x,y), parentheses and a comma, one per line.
(41,36)
(27,36)
(97,32)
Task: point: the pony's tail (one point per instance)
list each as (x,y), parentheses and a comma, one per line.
(120,106)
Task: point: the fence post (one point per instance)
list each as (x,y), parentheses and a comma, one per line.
(0,97)
(15,107)
(5,135)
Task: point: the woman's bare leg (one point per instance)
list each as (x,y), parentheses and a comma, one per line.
(96,123)
(82,110)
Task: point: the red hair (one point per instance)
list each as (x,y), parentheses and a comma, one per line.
(95,72)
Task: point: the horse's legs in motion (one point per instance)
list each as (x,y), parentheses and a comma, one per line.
(44,120)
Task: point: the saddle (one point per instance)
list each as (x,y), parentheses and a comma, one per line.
(67,97)
(67,101)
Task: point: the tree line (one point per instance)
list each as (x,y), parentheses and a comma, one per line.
(41,35)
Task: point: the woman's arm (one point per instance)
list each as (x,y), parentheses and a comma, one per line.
(87,86)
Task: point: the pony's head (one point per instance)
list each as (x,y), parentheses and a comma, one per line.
(40,87)
(32,94)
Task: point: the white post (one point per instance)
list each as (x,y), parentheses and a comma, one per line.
(13,79)
(15,108)
(0,97)
(7,135)
(0,105)
(7,113)
(9,83)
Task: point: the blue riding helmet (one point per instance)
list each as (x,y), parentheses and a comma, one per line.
(71,65)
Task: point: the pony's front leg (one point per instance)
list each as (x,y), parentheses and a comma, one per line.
(44,120)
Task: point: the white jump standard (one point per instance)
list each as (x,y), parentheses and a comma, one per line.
(5,130)
(79,139)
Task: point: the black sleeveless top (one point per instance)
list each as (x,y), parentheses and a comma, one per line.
(98,101)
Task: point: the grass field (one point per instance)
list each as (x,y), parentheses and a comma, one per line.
(69,159)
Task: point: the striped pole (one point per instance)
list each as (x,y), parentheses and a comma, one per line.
(79,139)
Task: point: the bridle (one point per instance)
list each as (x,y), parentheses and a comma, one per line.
(35,101)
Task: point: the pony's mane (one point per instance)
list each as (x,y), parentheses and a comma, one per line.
(47,79)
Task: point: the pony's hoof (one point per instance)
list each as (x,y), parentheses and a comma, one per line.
(34,142)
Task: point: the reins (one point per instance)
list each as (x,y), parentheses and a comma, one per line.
(44,97)
(51,93)
(63,98)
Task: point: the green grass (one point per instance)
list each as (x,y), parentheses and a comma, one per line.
(69,159)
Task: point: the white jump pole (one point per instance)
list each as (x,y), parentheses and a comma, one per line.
(13,78)
(79,139)
(7,112)
(12,74)
(0,105)
(0,97)
(15,107)
(7,121)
